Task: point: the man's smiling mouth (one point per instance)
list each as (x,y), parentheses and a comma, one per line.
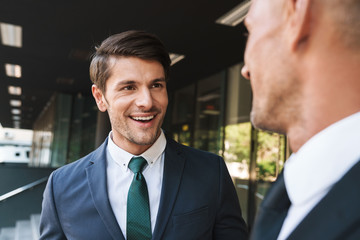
(147,118)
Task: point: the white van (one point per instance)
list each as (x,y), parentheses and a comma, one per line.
(14,154)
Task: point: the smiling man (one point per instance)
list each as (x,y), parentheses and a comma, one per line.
(139,184)
(303,61)
(136,100)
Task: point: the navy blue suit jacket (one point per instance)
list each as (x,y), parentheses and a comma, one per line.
(336,216)
(198,199)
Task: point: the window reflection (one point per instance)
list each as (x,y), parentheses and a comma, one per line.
(237,157)
(214,115)
(270,158)
(183,115)
(209,114)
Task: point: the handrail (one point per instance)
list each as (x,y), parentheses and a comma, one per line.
(23,188)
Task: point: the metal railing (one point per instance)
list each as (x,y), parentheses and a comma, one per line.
(23,188)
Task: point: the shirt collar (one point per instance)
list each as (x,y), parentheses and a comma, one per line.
(151,155)
(323,160)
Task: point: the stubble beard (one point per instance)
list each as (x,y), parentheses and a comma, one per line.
(143,140)
(138,137)
(267,120)
(279,110)
(278,106)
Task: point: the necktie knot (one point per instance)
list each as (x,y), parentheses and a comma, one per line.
(137,164)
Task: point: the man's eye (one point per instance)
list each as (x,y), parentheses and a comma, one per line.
(129,88)
(157,85)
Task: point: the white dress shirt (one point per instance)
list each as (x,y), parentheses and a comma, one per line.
(322,161)
(119,178)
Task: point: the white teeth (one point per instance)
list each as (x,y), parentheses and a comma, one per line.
(143,118)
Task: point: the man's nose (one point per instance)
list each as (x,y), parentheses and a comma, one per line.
(245,72)
(144,99)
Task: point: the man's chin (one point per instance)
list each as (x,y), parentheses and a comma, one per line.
(146,139)
(254,119)
(258,121)
(143,143)
(266,123)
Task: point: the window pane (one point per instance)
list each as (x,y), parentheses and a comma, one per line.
(237,157)
(209,112)
(270,160)
(183,115)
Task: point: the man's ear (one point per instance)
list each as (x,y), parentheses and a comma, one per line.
(99,98)
(299,22)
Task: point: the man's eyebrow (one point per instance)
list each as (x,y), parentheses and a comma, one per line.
(125,82)
(131,82)
(159,80)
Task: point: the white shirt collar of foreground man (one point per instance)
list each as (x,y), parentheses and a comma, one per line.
(317,166)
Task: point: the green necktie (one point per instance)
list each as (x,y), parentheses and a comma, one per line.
(138,225)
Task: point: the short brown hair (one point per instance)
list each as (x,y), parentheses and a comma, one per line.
(132,43)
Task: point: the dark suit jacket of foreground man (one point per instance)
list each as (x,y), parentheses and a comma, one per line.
(336,216)
(198,199)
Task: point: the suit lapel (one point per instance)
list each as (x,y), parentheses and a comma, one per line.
(96,176)
(173,169)
(336,214)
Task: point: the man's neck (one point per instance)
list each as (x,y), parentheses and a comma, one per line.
(299,134)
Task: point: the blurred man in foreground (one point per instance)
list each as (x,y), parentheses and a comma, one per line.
(303,61)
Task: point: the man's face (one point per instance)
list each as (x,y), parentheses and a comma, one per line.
(136,100)
(268,66)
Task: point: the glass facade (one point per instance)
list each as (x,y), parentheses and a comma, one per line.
(209,114)
(59,148)
(182,125)
(213,114)
(64,131)
(83,128)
